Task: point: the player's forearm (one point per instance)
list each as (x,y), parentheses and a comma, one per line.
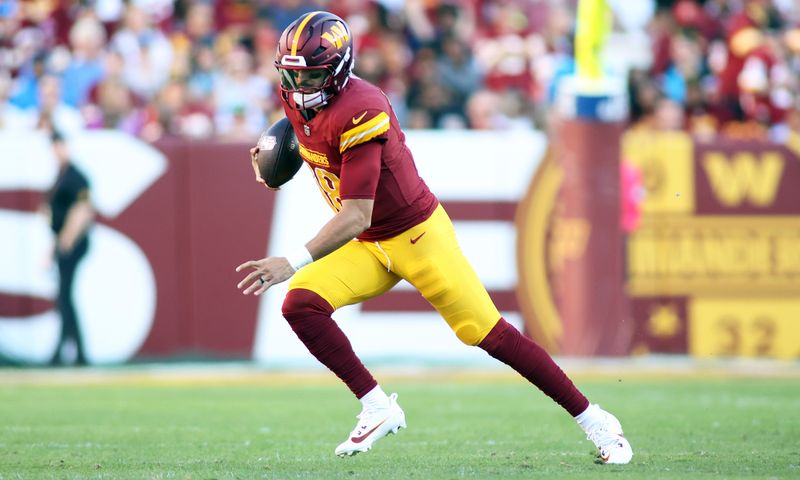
(78,219)
(343,227)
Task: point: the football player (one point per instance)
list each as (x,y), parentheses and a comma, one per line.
(387,226)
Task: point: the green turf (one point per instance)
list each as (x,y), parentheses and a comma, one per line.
(457,429)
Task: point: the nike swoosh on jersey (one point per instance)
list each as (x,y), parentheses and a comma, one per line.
(365,131)
(359,118)
(416,239)
(362,437)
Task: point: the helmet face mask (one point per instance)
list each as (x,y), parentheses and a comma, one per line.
(314,59)
(305,80)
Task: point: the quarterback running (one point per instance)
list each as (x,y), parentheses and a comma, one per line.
(388,226)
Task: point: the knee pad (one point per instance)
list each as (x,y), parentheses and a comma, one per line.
(469,330)
(468,333)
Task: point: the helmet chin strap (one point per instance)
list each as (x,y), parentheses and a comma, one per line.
(313,100)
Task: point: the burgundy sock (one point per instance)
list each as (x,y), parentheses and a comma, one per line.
(309,315)
(508,345)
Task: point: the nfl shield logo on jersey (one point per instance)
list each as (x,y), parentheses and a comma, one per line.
(307,130)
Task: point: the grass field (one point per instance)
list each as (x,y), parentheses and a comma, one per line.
(481,428)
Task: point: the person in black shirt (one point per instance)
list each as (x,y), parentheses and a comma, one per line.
(71,216)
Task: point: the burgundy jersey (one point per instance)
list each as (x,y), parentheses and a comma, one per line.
(356,150)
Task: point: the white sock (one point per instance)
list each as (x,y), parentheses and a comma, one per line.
(375,399)
(588,417)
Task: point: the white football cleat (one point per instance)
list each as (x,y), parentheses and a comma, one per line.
(606,433)
(373,425)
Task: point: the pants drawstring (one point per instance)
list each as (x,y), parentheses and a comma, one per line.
(388,260)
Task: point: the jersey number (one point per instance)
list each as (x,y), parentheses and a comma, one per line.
(329,186)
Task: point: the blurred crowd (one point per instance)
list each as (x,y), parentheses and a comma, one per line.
(721,66)
(204,68)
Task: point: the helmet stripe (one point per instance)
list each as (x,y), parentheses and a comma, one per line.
(299,30)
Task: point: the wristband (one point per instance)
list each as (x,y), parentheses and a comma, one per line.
(299,258)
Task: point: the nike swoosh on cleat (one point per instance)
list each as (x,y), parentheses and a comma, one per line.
(362,437)
(416,239)
(359,118)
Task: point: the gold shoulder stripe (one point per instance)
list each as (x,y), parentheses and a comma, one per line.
(364,132)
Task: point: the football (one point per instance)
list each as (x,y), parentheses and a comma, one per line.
(278,154)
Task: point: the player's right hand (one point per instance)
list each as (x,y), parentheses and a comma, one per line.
(254,163)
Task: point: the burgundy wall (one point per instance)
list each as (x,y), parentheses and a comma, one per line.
(200,220)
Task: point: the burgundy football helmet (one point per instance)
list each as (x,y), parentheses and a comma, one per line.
(314,59)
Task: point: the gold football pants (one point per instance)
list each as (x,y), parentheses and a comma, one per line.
(427,256)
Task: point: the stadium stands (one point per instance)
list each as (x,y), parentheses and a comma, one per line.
(203,69)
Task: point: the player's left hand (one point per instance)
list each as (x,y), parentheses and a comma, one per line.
(266,273)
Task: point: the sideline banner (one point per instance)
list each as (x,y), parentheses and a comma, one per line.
(714,268)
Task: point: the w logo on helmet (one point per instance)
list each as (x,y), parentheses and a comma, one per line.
(337,35)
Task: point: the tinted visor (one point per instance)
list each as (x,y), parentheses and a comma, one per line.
(304,78)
